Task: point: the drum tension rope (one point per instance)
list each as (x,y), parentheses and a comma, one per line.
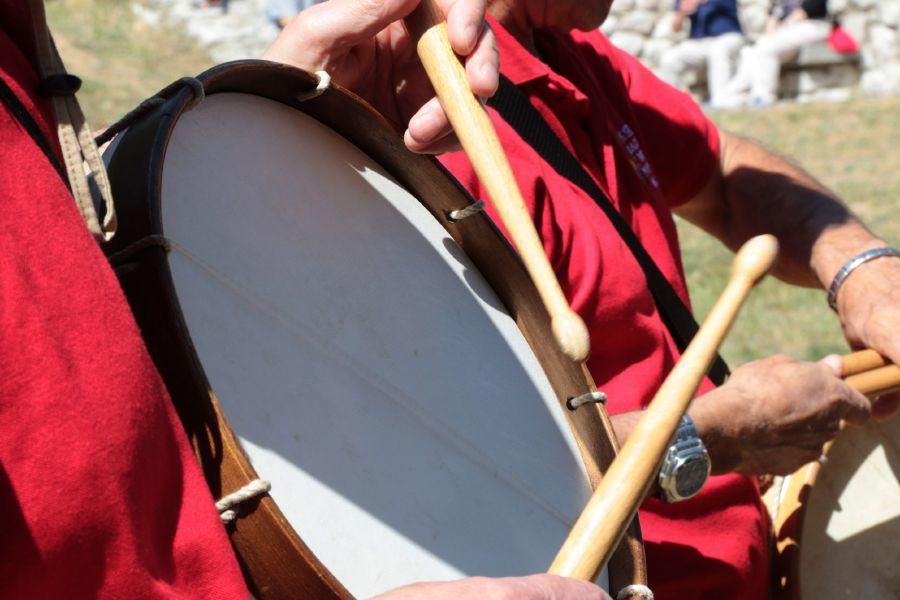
(160,98)
(228,504)
(321,87)
(129,252)
(575,402)
(635,590)
(464,213)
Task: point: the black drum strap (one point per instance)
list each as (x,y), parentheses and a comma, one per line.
(515,108)
(15,107)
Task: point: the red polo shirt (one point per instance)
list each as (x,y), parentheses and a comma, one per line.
(650,148)
(100,495)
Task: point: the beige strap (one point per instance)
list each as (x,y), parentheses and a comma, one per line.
(75,137)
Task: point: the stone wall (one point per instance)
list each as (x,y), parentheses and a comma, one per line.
(644,28)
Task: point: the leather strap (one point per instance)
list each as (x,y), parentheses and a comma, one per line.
(515,108)
(75,137)
(21,114)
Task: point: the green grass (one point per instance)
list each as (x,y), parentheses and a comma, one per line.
(852,148)
(121,59)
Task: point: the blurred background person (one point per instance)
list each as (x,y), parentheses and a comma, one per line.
(281,12)
(713,43)
(792,25)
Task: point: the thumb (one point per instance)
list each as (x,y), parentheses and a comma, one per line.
(326,31)
(834,364)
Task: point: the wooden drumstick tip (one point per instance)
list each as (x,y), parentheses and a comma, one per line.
(756,258)
(572,336)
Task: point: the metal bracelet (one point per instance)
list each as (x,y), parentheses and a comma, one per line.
(853,264)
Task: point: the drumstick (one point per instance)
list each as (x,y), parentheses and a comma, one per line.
(862,361)
(874,381)
(476,133)
(623,487)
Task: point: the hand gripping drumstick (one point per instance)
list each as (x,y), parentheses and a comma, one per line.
(600,527)
(476,133)
(868,373)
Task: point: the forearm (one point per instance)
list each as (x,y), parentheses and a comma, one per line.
(708,421)
(623,424)
(760,192)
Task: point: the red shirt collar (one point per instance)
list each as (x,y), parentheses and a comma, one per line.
(522,67)
(516,62)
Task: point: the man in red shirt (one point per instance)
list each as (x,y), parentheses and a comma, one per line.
(654,153)
(100,494)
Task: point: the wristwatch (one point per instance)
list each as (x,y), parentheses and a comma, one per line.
(685,467)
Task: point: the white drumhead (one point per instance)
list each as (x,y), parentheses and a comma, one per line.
(372,374)
(851,531)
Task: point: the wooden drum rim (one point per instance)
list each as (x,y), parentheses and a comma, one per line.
(787,526)
(276,562)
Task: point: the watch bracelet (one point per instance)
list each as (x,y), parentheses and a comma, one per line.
(686,438)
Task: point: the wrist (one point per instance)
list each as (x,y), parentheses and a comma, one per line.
(710,414)
(830,255)
(854,277)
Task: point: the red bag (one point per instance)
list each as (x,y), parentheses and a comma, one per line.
(842,42)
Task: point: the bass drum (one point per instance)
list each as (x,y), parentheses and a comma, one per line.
(388,370)
(837,522)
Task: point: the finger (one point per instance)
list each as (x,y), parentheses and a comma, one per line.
(888,342)
(885,406)
(554,587)
(857,409)
(834,364)
(483,66)
(449,143)
(465,23)
(427,127)
(330,29)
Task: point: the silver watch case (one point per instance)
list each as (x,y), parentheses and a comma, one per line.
(686,466)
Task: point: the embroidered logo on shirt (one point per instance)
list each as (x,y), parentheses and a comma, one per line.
(636,155)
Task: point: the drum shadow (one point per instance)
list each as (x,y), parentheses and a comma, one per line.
(373,375)
(849,541)
(472,276)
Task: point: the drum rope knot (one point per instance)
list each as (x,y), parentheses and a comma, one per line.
(589,398)
(153,102)
(321,87)
(464,213)
(129,252)
(226,505)
(635,590)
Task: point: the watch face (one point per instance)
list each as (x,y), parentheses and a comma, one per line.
(690,475)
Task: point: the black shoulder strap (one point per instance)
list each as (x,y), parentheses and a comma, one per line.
(515,108)
(9,99)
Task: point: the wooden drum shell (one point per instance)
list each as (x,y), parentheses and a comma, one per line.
(276,562)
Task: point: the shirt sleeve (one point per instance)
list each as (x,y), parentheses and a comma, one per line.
(681,142)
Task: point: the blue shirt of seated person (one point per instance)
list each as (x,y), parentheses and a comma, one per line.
(713,18)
